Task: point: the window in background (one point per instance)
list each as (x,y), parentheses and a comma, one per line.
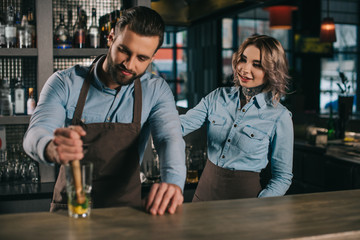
(171,63)
(345,54)
(344,60)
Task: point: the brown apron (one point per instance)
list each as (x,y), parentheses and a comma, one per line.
(113,150)
(218,183)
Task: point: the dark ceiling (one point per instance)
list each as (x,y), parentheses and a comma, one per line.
(186,12)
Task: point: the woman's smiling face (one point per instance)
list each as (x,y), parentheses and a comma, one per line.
(249,70)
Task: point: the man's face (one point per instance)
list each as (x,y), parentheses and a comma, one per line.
(129,56)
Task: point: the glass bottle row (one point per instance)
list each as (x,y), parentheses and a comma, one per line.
(93,37)
(14,101)
(16,30)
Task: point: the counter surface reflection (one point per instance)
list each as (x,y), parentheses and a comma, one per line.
(330,215)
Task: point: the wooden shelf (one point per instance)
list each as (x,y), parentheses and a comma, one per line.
(79,52)
(18,52)
(17,120)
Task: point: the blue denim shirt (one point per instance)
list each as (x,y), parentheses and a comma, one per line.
(57,103)
(247,138)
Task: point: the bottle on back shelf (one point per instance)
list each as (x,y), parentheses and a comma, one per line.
(79,30)
(5,98)
(24,34)
(10,29)
(69,25)
(94,35)
(31,29)
(2,31)
(31,102)
(61,36)
(19,94)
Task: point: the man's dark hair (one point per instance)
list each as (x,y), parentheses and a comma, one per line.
(143,21)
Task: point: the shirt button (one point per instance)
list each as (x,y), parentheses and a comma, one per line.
(83,120)
(243,110)
(108,118)
(213,121)
(252,135)
(223,156)
(235,125)
(229,140)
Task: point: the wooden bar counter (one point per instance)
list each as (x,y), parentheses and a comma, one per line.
(330,215)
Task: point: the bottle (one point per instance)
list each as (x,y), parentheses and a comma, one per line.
(331,125)
(21,32)
(2,32)
(30,39)
(94,35)
(10,29)
(30,104)
(69,25)
(61,36)
(19,93)
(5,98)
(28,33)
(79,30)
(104,30)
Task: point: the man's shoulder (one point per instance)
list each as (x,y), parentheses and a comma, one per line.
(76,70)
(151,82)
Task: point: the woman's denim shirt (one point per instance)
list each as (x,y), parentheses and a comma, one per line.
(246,138)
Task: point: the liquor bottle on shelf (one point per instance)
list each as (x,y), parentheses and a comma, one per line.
(31,102)
(79,30)
(61,36)
(6,108)
(69,25)
(10,29)
(29,33)
(104,30)
(24,34)
(19,93)
(94,35)
(2,32)
(31,29)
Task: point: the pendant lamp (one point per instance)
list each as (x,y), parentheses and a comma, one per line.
(327,29)
(280,16)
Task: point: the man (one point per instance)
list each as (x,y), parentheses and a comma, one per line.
(104,114)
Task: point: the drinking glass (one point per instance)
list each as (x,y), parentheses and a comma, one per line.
(79,204)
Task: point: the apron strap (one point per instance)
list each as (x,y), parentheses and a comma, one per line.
(137,101)
(83,93)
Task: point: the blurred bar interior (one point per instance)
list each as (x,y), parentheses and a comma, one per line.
(201,36)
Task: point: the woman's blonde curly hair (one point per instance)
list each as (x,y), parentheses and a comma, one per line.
(273,62)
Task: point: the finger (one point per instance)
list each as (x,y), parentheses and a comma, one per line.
(67,153)
(177,200)
(61,140)
(158,198)
(67,132)
(170,192)
(151,196)
(74,132)
(78,129)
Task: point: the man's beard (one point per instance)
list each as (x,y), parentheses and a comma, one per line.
(115,71)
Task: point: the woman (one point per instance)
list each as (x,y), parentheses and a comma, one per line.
(247,126)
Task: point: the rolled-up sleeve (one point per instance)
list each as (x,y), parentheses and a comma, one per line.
(49,115)
(166,132)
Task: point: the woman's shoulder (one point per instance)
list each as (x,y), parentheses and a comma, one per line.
(223,91)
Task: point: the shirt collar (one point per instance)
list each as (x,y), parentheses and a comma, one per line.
(260,99)
(97,83)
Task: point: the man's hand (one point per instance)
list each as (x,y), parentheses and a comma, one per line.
(66,145)
(162,197)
